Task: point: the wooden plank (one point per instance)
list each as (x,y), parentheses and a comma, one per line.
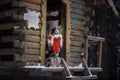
(27,57)
(93,38)
(111,3)
(76,38)
(11,64)
(38,2)
(10,25)
(76,33)
(27,32)
(43,31)
(76,43)
(12,51)
(28,5)
(25,44)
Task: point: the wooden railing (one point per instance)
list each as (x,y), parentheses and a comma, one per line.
(99,40)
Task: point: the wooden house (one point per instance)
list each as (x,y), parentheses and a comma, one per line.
(23,31)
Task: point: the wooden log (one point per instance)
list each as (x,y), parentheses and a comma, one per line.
(2,2)
(75,49)
(77,22)
(25,44)
(78,11)
(28,5)
(76,38)
(38,2)
(27,32)
(13,16)
(75,60)
(76,33)
(10,25)
(12,51)
(12,38)
(79,17)
(78,28)
(27,57)
(93,38)
(75,54)
(11,64)
(76,43)
(79,6)
(78,1)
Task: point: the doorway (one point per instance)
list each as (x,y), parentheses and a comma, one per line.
(56,17)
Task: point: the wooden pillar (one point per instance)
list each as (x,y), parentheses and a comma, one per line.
(43,31)
(86,48)
(99,54)
(68,29)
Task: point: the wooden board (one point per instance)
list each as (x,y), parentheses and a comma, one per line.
(12,38)
(27,32)
(13,51)
(10,25)
(28,5)
(25,44)
(27,57)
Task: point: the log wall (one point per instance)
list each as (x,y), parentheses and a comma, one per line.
(19,40)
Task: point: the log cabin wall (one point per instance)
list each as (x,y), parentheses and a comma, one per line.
(78,20)
(21,25)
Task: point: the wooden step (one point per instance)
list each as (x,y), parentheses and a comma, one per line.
(88,77)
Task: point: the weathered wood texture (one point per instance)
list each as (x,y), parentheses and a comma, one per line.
(43,31)
(78,18)
(21,51)
(17,42)
(28,38)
